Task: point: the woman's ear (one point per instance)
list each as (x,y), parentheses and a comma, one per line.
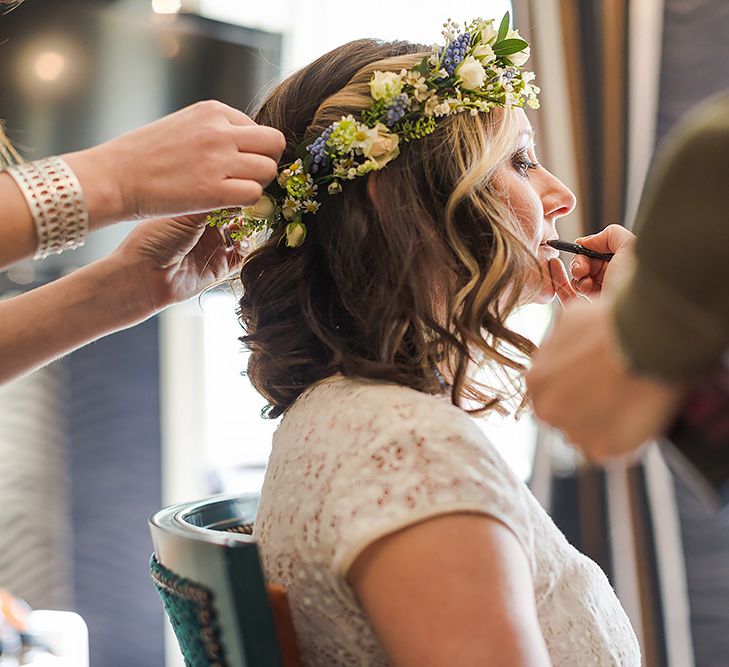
(372,188)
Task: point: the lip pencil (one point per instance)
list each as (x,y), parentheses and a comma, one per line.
(577,249)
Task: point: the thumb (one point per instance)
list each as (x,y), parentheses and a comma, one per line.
(613,238)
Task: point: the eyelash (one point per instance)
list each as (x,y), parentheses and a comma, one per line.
(522,164)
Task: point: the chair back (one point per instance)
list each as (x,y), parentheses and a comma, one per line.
(208,573)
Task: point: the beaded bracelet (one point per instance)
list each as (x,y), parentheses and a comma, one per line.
(56,202)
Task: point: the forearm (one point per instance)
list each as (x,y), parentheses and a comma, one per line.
(19,238)
(95,172)
(48,322)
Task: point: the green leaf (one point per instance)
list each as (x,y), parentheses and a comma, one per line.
(423,66)
(503,27)
(509,46)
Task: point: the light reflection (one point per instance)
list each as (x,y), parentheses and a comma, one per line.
(166,6)
(49,65)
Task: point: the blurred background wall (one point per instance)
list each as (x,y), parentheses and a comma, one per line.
(80,441)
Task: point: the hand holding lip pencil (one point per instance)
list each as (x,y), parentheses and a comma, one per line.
(600,261)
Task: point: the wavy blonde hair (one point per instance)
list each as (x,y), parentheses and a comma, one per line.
(8,154)
(409,282)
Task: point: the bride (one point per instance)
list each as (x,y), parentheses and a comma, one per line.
(409,219)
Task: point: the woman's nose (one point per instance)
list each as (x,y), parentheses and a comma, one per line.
(558,200)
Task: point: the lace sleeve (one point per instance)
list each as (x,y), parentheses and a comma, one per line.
(425,463)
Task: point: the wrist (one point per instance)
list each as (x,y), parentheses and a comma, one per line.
(97,172)
(122,284)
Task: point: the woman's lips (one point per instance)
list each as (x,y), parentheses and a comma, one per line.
(547,251)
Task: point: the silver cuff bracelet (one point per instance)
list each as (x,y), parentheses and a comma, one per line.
(56,203)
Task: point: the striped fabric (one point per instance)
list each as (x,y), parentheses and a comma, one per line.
(604,66)
(625,517)
(35,522)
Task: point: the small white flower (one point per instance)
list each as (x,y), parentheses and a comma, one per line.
(385,85)
(472,73)
(290,208)
(417,82)
(425,94)
(430,105)
(335,187)
(442,109)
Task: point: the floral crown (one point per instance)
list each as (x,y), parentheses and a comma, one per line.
(479,68)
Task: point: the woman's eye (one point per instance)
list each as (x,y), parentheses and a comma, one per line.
(523,164)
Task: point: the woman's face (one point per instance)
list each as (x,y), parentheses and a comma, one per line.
(538,199)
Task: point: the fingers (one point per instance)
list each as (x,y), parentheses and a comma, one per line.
(581,267)
(613,238)
(239,192)
(234,116)
(587,274)
(561,282)
(254,167)
(260,139)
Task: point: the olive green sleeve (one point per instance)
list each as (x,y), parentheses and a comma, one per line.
(673,316)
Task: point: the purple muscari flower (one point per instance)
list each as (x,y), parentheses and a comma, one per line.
(455,52)
(397,109)
(317,150)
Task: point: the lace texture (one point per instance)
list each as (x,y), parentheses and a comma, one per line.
(353,461)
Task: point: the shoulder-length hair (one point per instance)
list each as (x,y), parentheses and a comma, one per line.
(409,280)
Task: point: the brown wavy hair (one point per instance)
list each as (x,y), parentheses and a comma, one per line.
(409,283)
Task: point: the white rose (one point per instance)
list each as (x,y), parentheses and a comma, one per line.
(484,53)
(381,145)
(472,73)
(261,210)
(295,234)
(488,33)
(385,85)
(513,34)
(520,57)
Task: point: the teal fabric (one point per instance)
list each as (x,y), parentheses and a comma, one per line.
(191,610)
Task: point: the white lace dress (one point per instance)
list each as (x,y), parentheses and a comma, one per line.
(355,460)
